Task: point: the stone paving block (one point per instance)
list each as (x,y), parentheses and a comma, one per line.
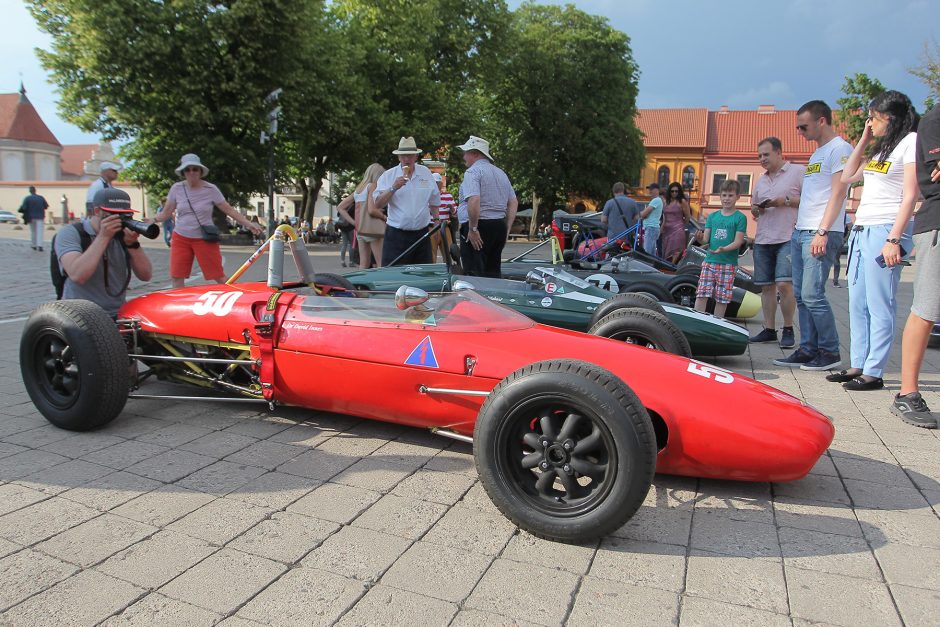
(260,427)
(163,505)
(470,528)
(274,490)
(220,520)
(913,527)
(81,444)
(698,612)
(8,548)
(359,553)
(718,534)
(917,606)
(133,426)
(171,465)
(238,621)
(516,590)
(40,436)
(305,596)
(388,606)
(873,471)
(14,424)
(824,466)
(598,600)
(83,599)
(27,572)
(244,576)
(756,583)
(42,520)
(652,524)
(478,618)
(284,537)
(338,503)
(409,453)
(874,496)
(157,610)
(824,517)
(824,552)
(437,571)
(670,491)
(901,435)
(915,566)
(855,434)
(645,564)
(477,498)
(458,459)
(839,600)
(265,454)
(7,449)
(221,478)
(317,464)
(401,516)
(575,558)
(218,444)
(821,488)
(174,435)
(95,540)
(351,444)
(862,451)
(14,497)
(158,559)
(62,477)
(125,454)
(305,434)
(445,488)
(28,462)
(215,417)
(374,473)
(111,490)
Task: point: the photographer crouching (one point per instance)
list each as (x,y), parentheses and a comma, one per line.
(97,255)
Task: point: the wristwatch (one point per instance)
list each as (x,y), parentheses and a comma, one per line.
(893,240)
(474,229)
(134,246)
(822,232)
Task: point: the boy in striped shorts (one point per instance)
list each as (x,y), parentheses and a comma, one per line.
(723,235)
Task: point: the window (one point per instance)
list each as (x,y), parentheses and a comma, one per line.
(744,180)
(260,208)
(663,176)
(688,177)
(717,180)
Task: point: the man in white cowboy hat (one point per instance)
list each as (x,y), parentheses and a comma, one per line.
(99,268)
(486,211)
(412,197)
(108,173)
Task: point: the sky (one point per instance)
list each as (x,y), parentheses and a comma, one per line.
(691,53)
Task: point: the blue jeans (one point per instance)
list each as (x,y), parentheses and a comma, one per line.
(817,322)
(650,237)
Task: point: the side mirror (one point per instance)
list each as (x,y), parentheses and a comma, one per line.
(460,284)
(407,297)
(535,278)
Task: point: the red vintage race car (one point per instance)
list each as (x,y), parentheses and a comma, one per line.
(565,448)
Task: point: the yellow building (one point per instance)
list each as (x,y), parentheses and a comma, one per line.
(675,141)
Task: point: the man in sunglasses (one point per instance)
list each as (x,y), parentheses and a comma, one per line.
(814,246)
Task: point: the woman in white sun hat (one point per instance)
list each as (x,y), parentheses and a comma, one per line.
(190,202)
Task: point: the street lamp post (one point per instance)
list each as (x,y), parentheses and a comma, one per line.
(268,137)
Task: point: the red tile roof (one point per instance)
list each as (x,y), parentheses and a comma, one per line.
(737,132)
(19,120)
(74,157)
(673,128)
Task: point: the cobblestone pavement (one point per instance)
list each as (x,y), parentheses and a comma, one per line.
(196,514)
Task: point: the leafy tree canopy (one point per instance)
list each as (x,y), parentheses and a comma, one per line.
(929,73)
(853,106)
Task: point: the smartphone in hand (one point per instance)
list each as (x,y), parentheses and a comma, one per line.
(880,260)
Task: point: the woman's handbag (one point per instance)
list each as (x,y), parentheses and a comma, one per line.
(369,225)
(210,232)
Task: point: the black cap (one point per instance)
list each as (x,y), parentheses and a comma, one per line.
(653,186)
(114,200)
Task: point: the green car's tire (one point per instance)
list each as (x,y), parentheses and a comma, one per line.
(644,328)
(626,300)
(334,281)
(565,450)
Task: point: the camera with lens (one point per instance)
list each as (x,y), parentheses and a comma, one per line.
(117,202)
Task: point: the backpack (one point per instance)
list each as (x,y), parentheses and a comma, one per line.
(59,275)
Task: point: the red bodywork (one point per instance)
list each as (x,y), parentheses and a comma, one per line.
(717,424)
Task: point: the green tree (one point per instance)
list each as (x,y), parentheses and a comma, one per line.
(177,77)
(929,73)
(561,106)
(853,106)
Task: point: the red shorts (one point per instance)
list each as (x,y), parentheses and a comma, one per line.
(208,255)
(717,279)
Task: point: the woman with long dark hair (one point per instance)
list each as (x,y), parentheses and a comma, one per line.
(676,214)
(881,238)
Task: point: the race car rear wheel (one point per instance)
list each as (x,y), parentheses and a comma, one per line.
(74,364)
(565,450)
(683,293)
(338,283)
(644,328)
(626,300)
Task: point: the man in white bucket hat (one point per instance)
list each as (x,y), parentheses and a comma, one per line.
(412,197)
(108,173)
(486,211)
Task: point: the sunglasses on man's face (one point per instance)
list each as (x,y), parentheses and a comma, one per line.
(192,169)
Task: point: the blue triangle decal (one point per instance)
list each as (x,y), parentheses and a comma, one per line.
(423,355)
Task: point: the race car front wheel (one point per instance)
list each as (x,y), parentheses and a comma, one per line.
(683,293)
(626,300)
(565,450)
(644,328)
(74,364)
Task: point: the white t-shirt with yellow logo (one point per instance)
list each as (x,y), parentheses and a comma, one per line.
(828,159)
(884,184)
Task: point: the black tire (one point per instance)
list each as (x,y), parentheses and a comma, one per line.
(690,269)
(682,291)
(74,364)
(644,328)
(656,292)
(334,281)
(519,445)
(626,300)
